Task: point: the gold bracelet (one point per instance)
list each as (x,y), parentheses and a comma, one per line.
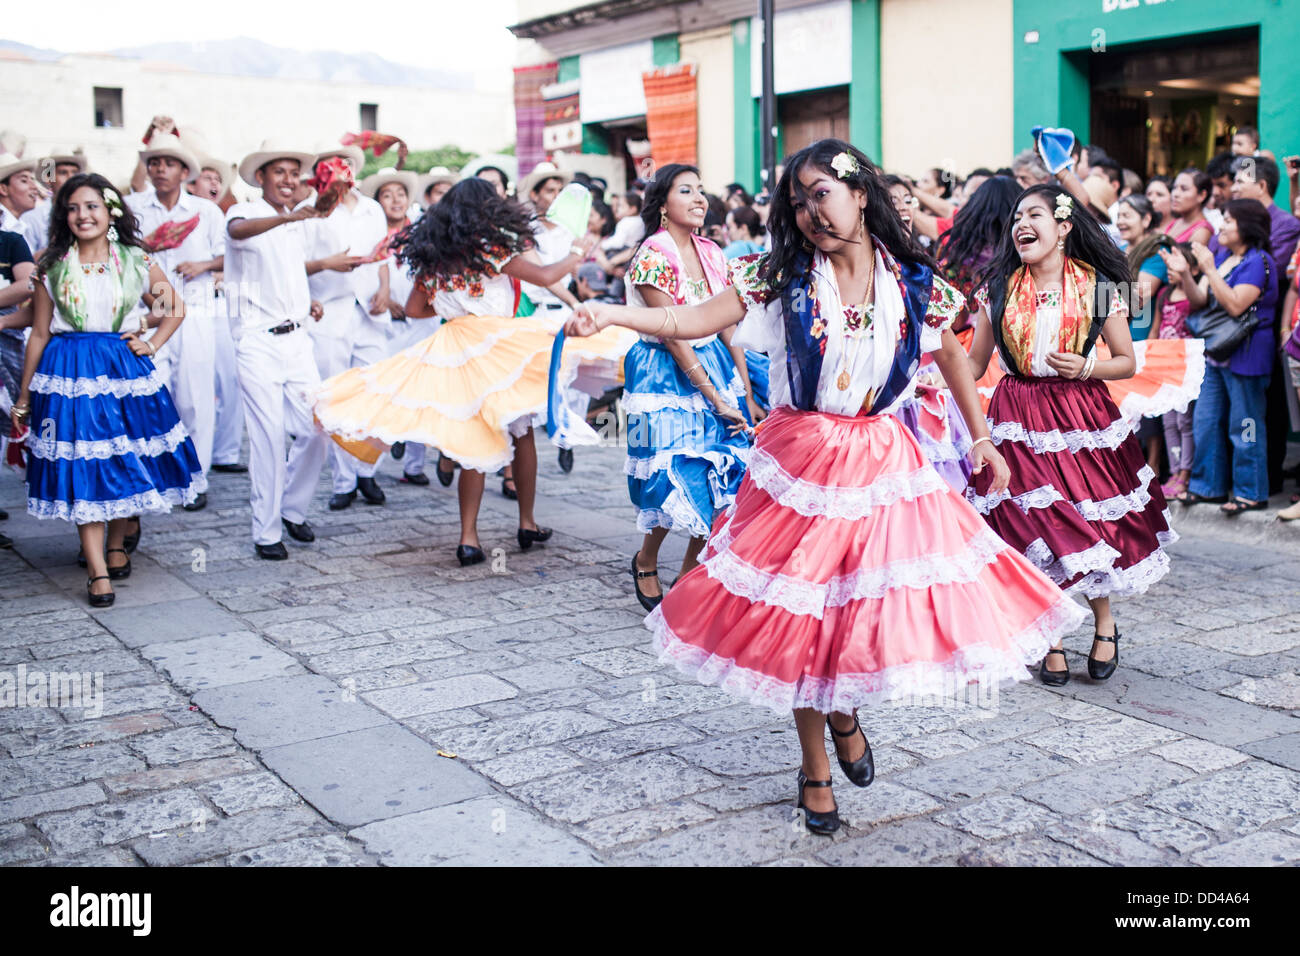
(672,315)
(978,440)
(153,349)
(656,332)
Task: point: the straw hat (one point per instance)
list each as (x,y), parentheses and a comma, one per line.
(355,157)
(10,164)
(437,174)
(168,144)
(271,150)
(542,172)
(68,158)
(371,185)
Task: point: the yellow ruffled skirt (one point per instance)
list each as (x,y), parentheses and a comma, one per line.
(466,389)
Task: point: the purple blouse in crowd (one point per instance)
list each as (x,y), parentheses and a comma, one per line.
(1255,357)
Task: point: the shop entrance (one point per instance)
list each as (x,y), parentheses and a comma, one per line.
(1162,106)
(804,118)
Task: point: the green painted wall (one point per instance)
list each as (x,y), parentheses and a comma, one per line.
(745,107)
(667,50)
(1051,83)
(864,82)
(569,69)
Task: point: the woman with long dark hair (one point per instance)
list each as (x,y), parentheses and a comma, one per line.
(686,402)
(1231,412)
(847,572)
(106,442)
(1082,505)
(966,249)
(476,386)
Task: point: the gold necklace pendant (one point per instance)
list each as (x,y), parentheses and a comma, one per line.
(842,383)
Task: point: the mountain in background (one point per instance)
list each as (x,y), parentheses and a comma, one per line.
(247,57)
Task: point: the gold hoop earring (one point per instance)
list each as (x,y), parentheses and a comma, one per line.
(663,218)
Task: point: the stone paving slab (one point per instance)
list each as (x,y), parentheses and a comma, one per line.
(293,714)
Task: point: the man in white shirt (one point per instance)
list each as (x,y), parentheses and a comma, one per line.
(19,192)
(188,257)
(57,170)
(354,328)
(269,302)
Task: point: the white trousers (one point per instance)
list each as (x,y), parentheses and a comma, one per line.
(277,376)
(344,338)
(185,364)
(228,433)
(402,335)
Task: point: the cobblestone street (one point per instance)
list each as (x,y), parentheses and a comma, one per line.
(369,702)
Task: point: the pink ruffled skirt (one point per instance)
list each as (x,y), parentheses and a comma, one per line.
(848,572)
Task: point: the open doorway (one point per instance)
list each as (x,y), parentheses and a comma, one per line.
(1162,106)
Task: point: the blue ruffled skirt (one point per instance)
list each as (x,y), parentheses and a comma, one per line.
(105,440)
(682,464)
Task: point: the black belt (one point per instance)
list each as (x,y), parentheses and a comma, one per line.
(284,328)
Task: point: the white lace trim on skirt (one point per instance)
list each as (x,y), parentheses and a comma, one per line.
(1107,509)
(108,447)
(847,691)
(802,597)
(852,502)
(1112,436)
(94,387)
(147,502)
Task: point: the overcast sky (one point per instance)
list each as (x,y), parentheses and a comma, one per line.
(461,35)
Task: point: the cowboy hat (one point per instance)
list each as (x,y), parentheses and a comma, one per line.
(355,157)
(542,172)
(10,164)
(75,156)
(436,174)
(168,144)
(371,185)
(507,164)
(271,150)
(218,166)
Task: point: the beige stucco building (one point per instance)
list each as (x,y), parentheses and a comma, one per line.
(57,104)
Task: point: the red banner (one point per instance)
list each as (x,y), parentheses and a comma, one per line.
(671,114)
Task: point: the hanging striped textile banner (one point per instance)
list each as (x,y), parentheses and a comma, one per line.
(670,114)
(530,113)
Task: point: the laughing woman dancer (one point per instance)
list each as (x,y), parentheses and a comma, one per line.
(1083,505)
(106,443)
(475,387)
(847,572)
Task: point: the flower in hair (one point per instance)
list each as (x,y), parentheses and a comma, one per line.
(844,165)
(1064,206)
(114,203)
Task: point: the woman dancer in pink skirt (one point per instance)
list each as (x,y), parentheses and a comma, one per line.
(847,572)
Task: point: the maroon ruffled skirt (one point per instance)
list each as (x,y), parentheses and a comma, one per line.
(1083,504)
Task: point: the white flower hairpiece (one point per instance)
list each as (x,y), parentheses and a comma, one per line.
(114,203)
(844,165)
(1064,206)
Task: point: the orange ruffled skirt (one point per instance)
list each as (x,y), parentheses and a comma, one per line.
(466,389)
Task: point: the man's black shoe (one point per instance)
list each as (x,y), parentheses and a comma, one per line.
(299,532)
(198,504)
(273,552)
(235,469)
(341,500)
(371,491)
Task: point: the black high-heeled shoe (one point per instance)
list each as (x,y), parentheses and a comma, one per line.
(132,540)
(467,554)
(122,571)
(1100,670)
(649,602)
(99,600)
(508,490)
(527,537)
(823,824)
(1053,678)
(445,478)
(863,770)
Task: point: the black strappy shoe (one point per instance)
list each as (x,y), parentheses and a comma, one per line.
(99,600)
(647,602)
(863,770)
(1053,678)
(1100,670)
(132,540)
(122,571)
(823,824)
